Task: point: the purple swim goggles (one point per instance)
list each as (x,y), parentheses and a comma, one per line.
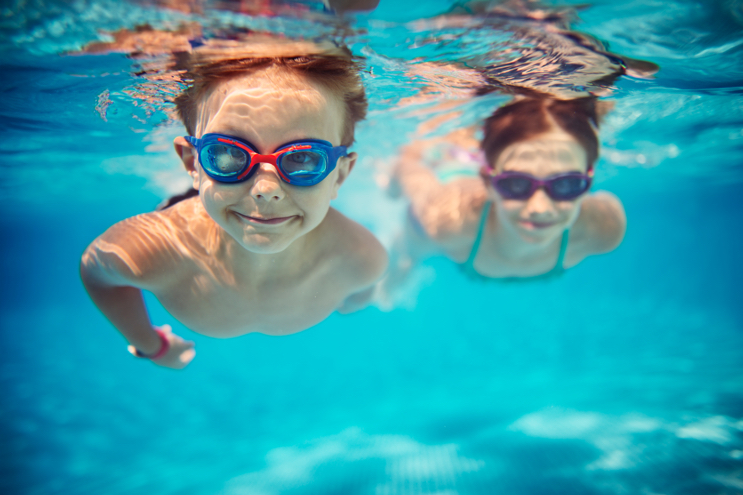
(559,187)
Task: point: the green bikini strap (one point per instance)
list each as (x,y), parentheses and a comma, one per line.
(470,263)
(563,249)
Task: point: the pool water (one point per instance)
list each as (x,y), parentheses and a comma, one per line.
(625,376)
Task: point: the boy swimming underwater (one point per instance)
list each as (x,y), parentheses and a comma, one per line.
(260,249)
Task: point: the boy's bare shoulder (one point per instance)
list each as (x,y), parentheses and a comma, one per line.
(362,257)
(149,248)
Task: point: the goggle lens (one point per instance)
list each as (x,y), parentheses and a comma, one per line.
(300,163)
(223,160)
(515,187)
(568,187)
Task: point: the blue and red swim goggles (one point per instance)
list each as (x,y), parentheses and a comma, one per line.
(305,162)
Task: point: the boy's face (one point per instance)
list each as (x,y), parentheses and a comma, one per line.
(268,109)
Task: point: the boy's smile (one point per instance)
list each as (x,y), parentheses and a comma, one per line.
(264,214)
(266,221)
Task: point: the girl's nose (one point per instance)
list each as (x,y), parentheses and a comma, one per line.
(266,184)
(540,205)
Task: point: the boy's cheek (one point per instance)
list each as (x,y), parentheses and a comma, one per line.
(341,173)
(203,183)
(334,194)
(209,196)
(337,183)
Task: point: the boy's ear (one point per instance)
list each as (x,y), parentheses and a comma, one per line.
(345,165)
(188,156)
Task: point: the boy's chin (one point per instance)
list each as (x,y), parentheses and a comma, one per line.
(260,244)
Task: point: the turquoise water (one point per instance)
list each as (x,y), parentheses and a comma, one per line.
(625,376)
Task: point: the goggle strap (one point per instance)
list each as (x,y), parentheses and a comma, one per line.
(256,158)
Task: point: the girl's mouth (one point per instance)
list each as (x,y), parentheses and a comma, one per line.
(531,225)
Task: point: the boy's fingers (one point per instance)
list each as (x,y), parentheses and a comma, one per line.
(187,356)
(166,328)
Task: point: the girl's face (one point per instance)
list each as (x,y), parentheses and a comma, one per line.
(539,218)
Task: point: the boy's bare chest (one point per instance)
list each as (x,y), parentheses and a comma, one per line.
(225,307)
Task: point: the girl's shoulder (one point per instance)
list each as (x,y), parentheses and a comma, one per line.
(601,224)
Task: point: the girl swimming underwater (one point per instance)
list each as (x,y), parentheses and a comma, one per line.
(529,214)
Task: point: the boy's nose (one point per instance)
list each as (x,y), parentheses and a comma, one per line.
(266,184)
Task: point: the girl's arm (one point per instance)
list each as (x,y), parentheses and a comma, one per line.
(418,182)
(444,211)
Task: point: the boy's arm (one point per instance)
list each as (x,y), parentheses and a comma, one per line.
(112,273)
(366,264)
(356,302)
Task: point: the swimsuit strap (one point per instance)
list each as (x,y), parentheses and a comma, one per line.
(558,268)
(469,265)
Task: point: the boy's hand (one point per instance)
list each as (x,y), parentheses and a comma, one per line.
(179,354)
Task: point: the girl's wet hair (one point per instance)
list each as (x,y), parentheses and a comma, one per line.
(527,118)
(339,74)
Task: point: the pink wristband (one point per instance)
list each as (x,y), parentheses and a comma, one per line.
(164,347)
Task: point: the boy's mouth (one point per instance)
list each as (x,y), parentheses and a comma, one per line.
(265,220)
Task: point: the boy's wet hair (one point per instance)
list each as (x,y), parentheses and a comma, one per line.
(340,74)
(527,118)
